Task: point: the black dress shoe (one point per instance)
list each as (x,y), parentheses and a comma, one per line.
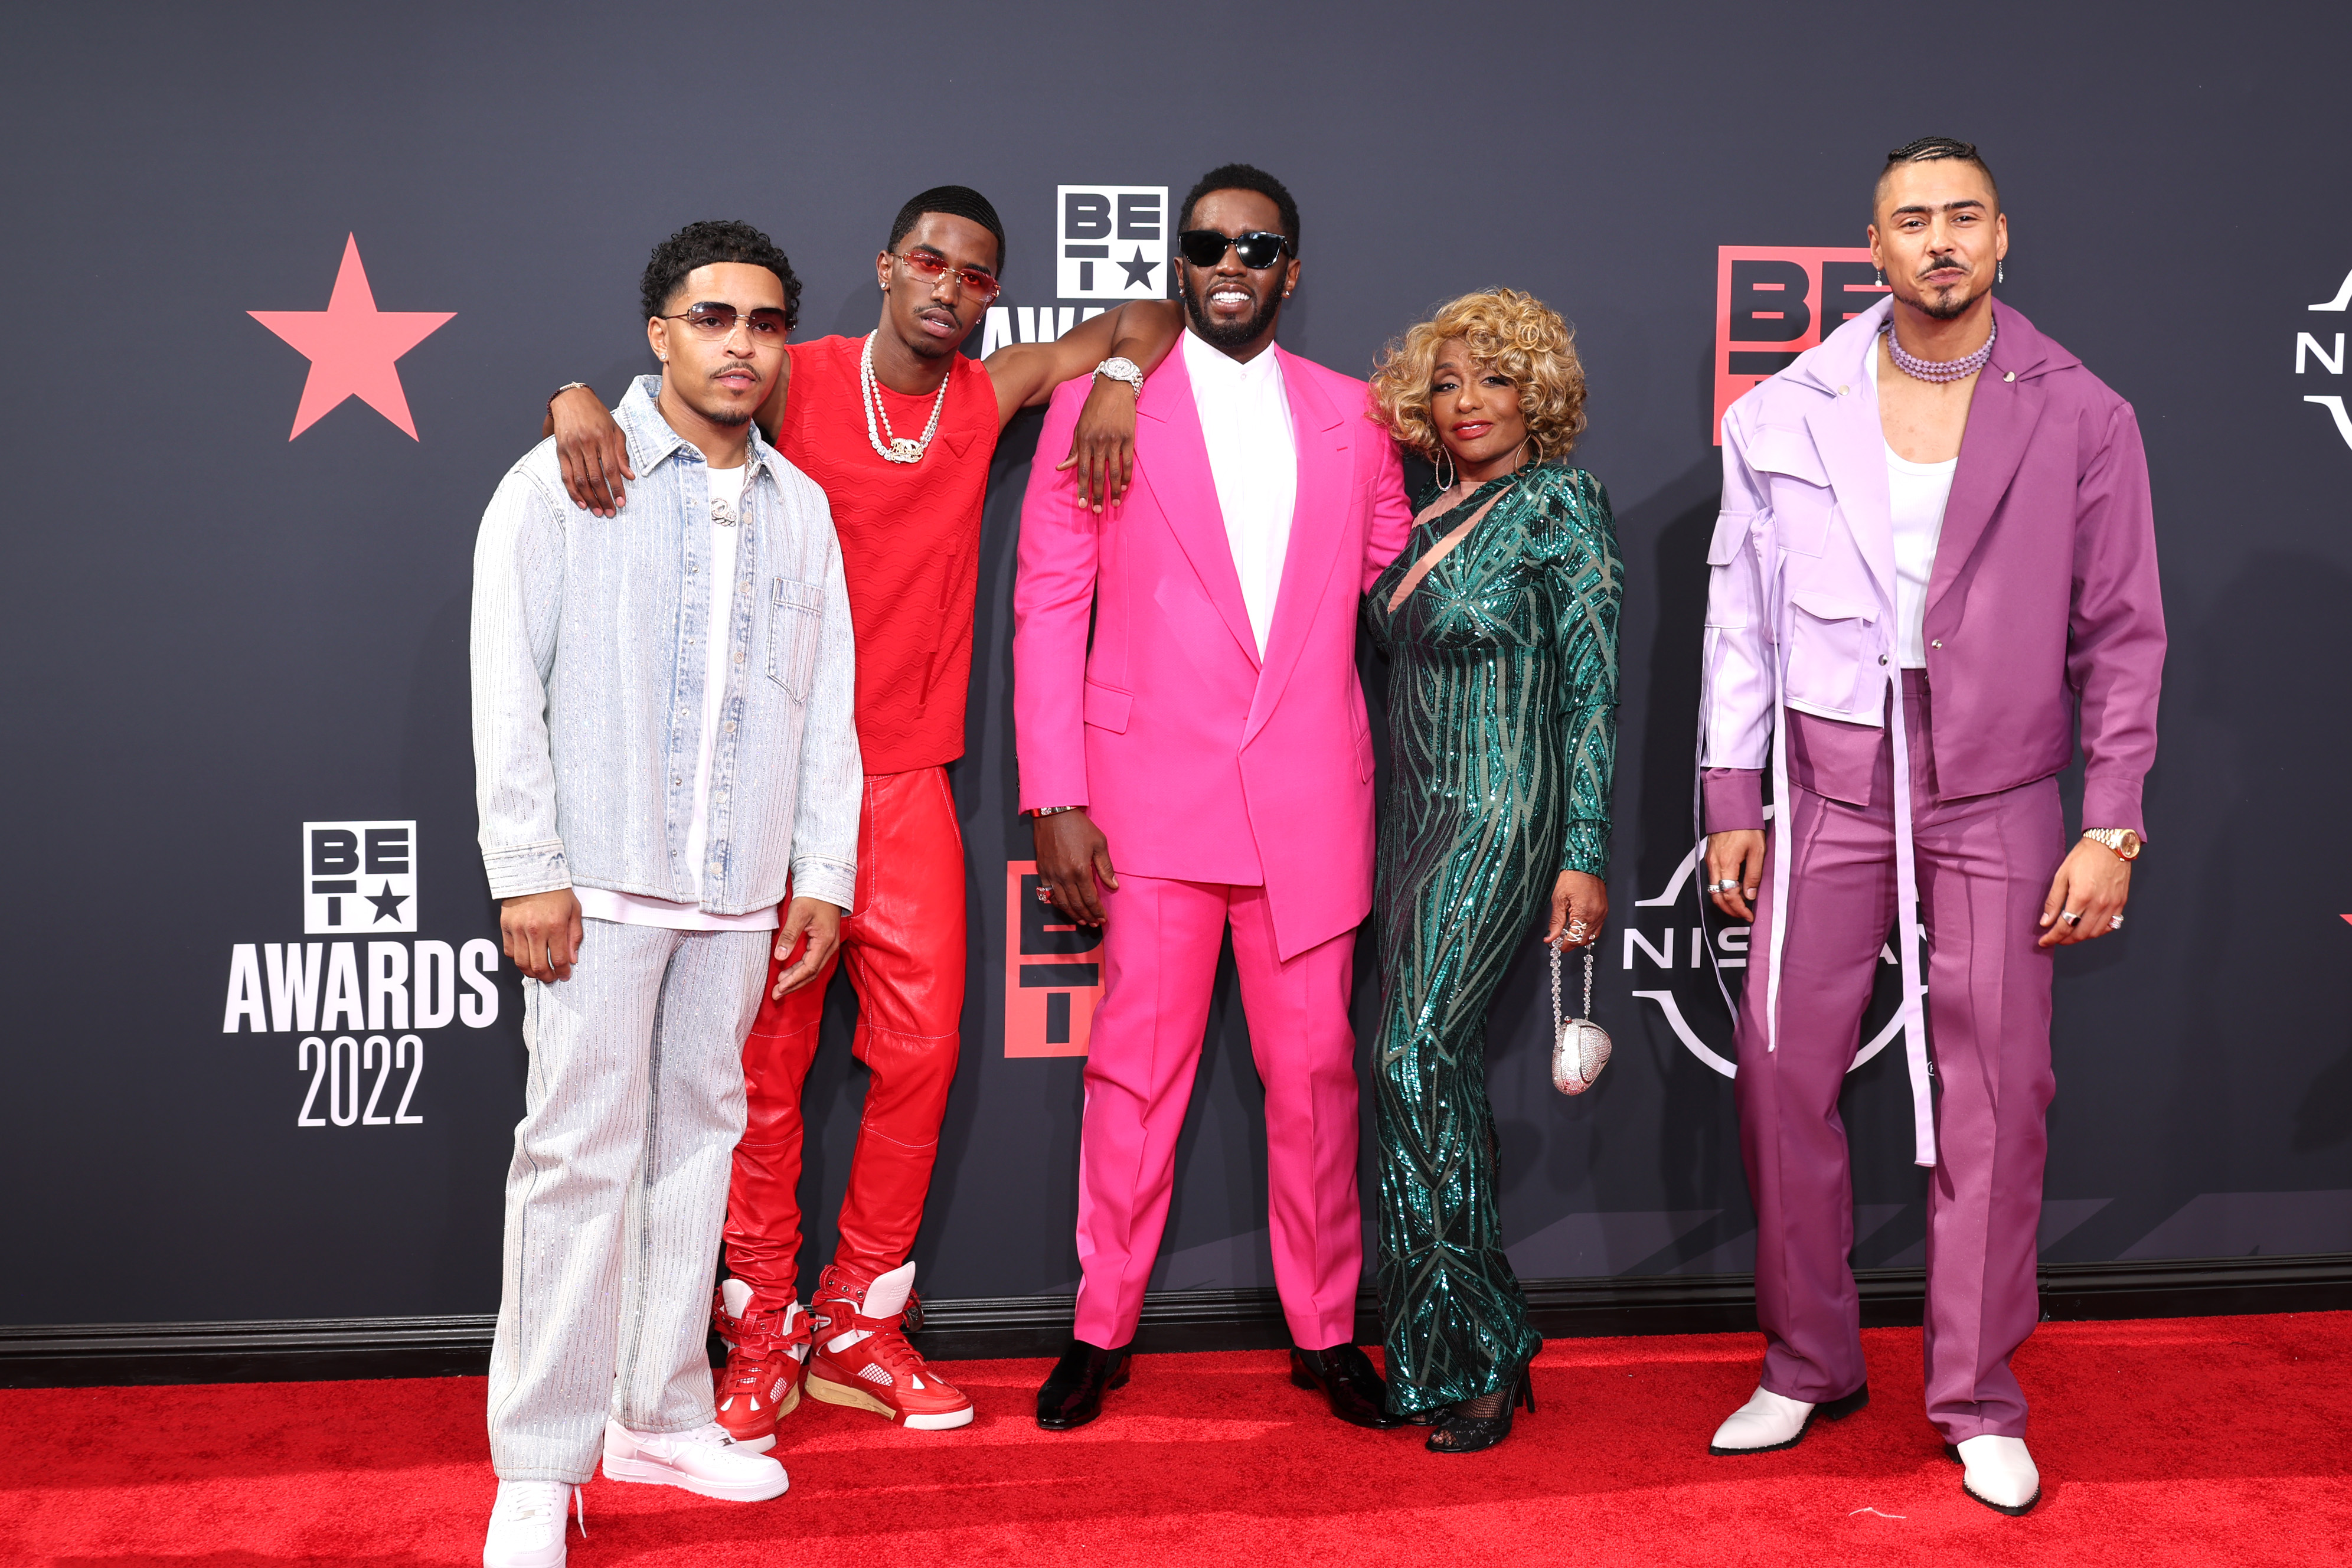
(1073,1392)
(1345,1375)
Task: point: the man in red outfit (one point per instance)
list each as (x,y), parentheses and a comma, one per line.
(898,428)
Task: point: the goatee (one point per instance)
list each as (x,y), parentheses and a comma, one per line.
(1233,335)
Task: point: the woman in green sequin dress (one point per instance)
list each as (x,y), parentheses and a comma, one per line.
(1500,620)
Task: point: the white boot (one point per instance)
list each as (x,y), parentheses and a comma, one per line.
(527,1524)
(705,1461)
(1999,1472)
(1770,1422)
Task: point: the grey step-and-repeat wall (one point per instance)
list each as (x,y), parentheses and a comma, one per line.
(293,284)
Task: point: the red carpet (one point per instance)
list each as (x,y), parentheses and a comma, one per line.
(2220,1440)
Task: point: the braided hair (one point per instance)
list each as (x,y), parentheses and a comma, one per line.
(955,201)
(1934,150)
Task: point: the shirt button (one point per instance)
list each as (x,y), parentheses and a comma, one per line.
(739,655)
(1882,659)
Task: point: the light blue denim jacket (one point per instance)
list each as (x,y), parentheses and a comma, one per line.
(588,665)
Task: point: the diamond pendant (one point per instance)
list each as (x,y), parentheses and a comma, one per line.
(903,450)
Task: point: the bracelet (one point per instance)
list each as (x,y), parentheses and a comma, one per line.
(564,388)
(1053,810)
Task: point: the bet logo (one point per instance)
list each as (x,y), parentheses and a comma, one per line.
(1053,972)
(358,878)
(1112,242)
(1772,304)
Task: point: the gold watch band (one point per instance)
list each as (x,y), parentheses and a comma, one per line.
(2124,841)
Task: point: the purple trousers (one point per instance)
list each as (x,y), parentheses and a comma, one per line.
(1985,866)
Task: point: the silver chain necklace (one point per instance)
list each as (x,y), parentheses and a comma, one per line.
(897,449)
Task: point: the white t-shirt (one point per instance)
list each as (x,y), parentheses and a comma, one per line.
(1254,458)
(1916,497)
(633,909)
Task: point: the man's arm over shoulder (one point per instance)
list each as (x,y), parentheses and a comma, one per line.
(1053,603)
(832,770)
(518,595)
(2115,640)
(1736,657)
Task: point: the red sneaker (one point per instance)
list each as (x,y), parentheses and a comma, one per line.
(863,1360)
(767,1353)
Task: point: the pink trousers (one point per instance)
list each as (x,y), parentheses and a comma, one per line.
(1985,866)
(1160,942)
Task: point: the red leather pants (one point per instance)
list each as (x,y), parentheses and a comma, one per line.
(904,949)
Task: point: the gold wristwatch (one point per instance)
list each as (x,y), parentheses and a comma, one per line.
(2122,840)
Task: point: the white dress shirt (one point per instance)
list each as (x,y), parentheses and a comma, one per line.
(1254,456)
(636,909)
(1916,497)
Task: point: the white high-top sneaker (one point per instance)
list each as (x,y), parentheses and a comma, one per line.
(528,1523)
(1770,1422)
(1998,1472)
(705,1461)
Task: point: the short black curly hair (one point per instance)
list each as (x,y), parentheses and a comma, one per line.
(711,240)
(1244,177)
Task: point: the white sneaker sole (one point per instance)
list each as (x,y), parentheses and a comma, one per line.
(548,1557)
(827,1392)
(653,1472)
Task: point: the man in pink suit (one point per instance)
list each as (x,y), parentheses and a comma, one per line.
(1936,554)
(1212,737)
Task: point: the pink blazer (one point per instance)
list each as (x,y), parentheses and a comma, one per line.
(1198,764)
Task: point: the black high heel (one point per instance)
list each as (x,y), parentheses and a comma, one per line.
(1461,1433)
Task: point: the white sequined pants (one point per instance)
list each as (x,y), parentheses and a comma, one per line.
(618,1191)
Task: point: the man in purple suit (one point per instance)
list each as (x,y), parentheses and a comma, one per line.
(1936,547)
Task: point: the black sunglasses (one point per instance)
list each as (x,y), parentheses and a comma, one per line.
(1258,250)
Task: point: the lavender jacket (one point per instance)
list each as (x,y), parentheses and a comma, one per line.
(2045,593)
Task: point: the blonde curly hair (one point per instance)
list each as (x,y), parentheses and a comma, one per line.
(1517,333)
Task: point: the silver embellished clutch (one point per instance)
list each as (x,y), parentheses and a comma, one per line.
(1580,1047)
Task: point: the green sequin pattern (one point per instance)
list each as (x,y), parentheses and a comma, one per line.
(1503,732)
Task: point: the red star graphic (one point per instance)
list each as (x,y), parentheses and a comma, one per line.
(351,346)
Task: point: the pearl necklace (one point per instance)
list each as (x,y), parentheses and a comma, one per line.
(1920,369)
(899,450)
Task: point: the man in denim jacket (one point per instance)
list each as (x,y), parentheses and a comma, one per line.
(662,736)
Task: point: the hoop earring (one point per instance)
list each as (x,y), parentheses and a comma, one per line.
(1451,472)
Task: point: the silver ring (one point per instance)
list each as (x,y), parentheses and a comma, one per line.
(2073,917)
(1044,893)
(2115,923)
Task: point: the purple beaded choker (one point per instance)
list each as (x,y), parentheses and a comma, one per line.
(1937,369)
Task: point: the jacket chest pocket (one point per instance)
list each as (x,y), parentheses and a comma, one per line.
(794,610)
(1796,487)
(1830,649)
